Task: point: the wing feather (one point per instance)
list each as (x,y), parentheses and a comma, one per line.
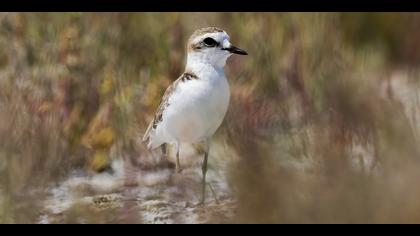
(164,104)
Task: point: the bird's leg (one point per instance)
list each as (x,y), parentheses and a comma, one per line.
(204,171)
(163,148)
(214,193)
(178,165)
(165,163)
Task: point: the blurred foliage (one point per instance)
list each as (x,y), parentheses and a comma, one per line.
(76,86)
(395,33)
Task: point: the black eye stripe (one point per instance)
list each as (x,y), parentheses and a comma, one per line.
(209,42)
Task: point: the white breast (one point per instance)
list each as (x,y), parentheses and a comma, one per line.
(197,108)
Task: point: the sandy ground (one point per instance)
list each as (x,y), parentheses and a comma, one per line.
(135,195)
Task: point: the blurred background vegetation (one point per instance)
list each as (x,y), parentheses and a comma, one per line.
(323,117)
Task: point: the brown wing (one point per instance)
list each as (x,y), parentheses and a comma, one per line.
(163,104)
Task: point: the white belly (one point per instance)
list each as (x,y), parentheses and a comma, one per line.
(196,110)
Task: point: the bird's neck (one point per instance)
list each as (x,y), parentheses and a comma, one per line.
(199,64)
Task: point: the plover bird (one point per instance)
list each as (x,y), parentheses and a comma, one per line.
(194,106)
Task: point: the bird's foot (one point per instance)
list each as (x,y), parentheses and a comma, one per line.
(200,204)
(213,193)
(165,163)
(178,168)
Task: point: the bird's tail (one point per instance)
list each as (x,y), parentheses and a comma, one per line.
(146,135)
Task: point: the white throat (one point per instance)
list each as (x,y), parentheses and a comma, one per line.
(197,61)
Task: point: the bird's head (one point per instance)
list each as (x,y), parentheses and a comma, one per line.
(211,45)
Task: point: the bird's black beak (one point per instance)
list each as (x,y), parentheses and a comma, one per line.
(236,50)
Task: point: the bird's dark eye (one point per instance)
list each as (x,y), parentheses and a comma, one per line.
(209,42)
